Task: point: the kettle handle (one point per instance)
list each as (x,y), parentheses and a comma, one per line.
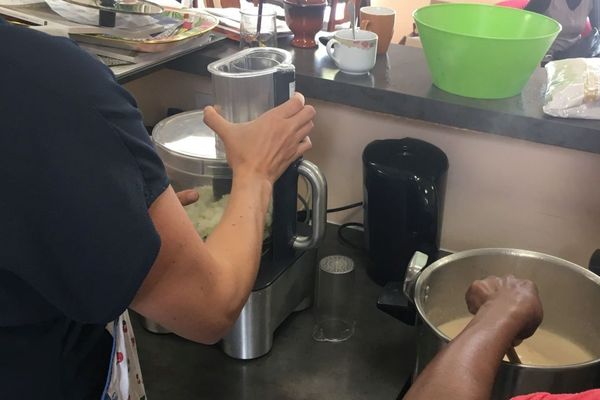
(319,206)
(427,220)
(595,262)
(330,49)
(397,298)
(416,265)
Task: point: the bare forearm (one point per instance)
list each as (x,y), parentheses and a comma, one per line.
(466,368)
(236,242)
(197,289)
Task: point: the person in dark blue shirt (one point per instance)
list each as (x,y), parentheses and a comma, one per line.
(90,226)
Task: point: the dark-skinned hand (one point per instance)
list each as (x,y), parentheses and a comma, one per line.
(508,297)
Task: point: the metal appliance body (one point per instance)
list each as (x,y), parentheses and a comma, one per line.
(268,307)
(286,277)
(154,327)
(570,295)
(246,85)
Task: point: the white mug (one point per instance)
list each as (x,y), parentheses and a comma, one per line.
(353,56)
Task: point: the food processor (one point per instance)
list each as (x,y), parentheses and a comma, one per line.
(246,85)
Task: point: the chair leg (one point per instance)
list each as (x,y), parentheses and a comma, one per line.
(331,22)
(357,5)
(332,15)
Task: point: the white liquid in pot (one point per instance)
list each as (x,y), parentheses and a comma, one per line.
(543,348)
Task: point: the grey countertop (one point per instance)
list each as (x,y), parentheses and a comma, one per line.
(400,84)
(373,364)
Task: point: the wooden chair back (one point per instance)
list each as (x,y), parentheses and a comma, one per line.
(222,3)
(334,3)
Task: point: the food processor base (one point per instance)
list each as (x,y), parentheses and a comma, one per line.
(266,308)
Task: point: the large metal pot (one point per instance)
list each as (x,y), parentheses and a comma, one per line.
(570,296)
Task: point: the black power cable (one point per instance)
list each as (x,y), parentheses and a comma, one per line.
(344,208)
(343,239)
(304,215)
(340,231)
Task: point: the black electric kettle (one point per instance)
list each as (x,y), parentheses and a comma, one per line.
(404,188)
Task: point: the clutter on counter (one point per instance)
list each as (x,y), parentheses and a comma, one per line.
(573,89)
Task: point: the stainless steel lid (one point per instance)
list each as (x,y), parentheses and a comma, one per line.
(184,142)
(252,62)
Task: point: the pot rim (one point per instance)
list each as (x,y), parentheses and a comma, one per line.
(501,251)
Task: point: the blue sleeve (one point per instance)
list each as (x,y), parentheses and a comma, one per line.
(79,173)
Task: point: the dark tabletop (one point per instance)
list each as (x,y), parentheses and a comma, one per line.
(373,364)
(400,84)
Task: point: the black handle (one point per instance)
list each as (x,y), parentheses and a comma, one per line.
(106,17)
(284,83)
(595,262)
(393,302)
(285,190)
(325,39)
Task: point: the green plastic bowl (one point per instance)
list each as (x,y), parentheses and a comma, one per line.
(483,51)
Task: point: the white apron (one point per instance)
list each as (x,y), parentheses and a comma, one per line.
(124,380)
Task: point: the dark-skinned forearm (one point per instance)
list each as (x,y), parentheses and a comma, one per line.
(467,367)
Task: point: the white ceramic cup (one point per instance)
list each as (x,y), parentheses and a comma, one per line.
(353,56)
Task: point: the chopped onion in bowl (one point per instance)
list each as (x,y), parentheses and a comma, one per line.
(206,213)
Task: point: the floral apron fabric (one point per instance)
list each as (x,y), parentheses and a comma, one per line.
(124,376)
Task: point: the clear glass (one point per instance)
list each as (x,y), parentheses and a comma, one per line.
(244,83)
(334,317)
(251,35)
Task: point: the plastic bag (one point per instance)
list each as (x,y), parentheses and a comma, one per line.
(573,89)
